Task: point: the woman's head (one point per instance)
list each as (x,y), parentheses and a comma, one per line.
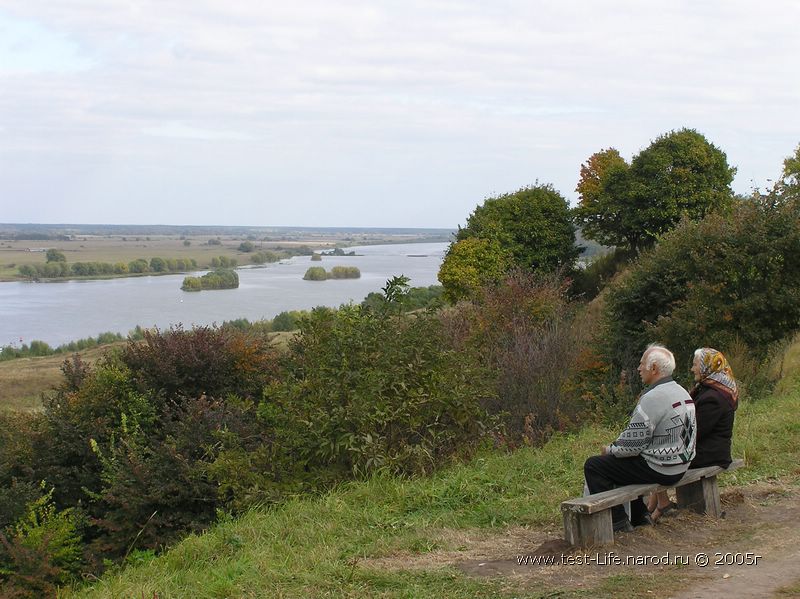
(710,367)
(708,361)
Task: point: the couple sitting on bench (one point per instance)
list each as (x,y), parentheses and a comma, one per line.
(670,431)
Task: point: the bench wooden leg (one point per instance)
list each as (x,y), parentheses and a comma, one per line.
(701,497)
(588,530)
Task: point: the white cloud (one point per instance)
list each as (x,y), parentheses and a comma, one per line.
(183,131)
(381,109)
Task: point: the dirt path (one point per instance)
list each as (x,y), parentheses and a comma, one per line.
(754,551)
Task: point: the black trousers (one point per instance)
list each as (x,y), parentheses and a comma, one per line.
(605,472)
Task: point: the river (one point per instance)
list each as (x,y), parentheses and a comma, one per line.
(60,312)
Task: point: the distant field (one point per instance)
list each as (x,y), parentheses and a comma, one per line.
(126,248)
(14,254)
(22,381)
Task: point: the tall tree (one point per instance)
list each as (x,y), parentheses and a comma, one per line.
(530,229)
(53,255)
(599,207)
(679,174)
(791,172)
(533,224)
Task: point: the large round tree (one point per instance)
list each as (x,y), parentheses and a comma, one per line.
(679,174)
(532,227)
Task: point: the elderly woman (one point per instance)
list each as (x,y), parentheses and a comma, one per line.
(716,398)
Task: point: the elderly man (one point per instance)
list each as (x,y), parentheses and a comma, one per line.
(658,443)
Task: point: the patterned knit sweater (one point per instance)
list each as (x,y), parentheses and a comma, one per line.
(663,429)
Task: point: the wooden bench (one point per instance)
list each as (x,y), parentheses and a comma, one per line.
(587,520)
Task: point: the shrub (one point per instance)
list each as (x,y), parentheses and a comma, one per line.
(222,278)
(44,546)
(54,255)
(524,328)
(315,273)
(288,321)
(139,265)
(158,264)
(344,272)
(134,439)
(205,360)
(370,390)
(724,280)
(265,256)
(470,264)
(415,299)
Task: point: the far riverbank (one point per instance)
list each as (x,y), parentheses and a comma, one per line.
(70,310)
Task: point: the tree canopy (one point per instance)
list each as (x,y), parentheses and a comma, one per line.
(630,206)
(726,279)
(470,264)
(791,172)
(529,229)
(53,255)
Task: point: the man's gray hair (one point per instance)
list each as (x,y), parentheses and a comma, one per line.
(661,357)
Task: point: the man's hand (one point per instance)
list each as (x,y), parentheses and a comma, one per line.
(604,450)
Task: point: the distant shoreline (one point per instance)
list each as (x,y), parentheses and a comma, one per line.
(22,245)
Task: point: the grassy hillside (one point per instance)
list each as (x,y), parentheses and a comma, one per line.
(323,546)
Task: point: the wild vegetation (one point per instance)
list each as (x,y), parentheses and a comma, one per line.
(58,268)
(377,424)
(356,529)
(221,278)
(318,273)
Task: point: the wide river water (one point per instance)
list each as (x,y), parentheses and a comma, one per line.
(61,312)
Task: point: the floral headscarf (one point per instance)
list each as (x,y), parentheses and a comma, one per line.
(716,372)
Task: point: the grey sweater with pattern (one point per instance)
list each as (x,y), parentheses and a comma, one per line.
(663,429)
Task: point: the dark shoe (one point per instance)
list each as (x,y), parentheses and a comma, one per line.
(670,507)
(647,520)
(623,526)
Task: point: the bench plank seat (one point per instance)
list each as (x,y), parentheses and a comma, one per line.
(587,520)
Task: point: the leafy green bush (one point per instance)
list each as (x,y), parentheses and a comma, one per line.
(472,263)
(135,439)
(370,390)
(344,272)
(288,321)
(533,224)
(316,273)
(415,299)
(265,256)
(725,280)
(221,278)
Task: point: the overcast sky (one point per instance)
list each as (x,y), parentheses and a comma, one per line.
(397,113)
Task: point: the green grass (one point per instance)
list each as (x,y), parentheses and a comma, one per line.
(316,546)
